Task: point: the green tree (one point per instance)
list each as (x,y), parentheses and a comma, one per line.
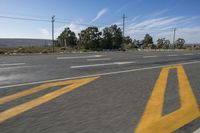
(127,40)
(127,43)
(137,43)
(163,43)
(179,43)
(90,38)
(160,43)
(166,44)
(67,38)
(112,37)
(148,41)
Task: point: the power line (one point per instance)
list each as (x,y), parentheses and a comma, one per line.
(152,29)
(22,18)
(56,20)
(82,24)
(53,20)
(62,19)
(8,13)
(46,20)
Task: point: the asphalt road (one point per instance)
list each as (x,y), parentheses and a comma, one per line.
(104,92)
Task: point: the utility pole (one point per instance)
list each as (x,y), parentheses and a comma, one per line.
(124,17)
(174,38)
(53,20)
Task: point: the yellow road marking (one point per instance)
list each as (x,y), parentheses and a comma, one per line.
(12,112)
(35,90)
(152,120)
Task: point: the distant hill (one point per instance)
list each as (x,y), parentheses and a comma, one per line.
(5,42)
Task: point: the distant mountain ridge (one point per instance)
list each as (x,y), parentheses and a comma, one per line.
(15,42)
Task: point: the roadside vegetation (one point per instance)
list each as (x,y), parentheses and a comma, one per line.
(111,38)
(108,39)
(39,50)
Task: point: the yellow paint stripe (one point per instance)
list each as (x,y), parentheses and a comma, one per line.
(173,121)
(34,90)
(43,99)
(155,104)
(186,94)
(166,124)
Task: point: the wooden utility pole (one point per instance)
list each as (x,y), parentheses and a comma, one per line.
(53,44)
(124,17)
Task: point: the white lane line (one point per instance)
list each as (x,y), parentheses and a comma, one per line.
(15,67)
(153,56)
(100,59)
(189,54)
(80,57)
(197,131)
(12,64)
(100,74)
(104,64)
(173,55)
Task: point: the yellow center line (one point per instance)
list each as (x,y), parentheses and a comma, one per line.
(153,122)
(12,112)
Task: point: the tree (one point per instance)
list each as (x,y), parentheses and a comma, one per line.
(127,43)
(160,43)
(136,43)
(127,40)
(106,42)
(139,43)
(148,41)
(167,44)
(112,37)
(90,38)
(179,43)
(163,43)
(67,38)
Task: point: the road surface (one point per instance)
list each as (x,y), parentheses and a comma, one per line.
(104,92)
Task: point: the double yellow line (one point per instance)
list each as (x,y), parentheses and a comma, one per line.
(69,86)
(152,120)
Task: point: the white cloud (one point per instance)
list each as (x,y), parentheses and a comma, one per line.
(75,26)
(163,28)
(159,13)
(122,8)
(45,32)
(100,14)
(135,18)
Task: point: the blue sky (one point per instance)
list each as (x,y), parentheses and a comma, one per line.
(156,17)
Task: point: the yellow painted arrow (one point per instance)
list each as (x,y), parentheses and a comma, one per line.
(152,120)
(12,112)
